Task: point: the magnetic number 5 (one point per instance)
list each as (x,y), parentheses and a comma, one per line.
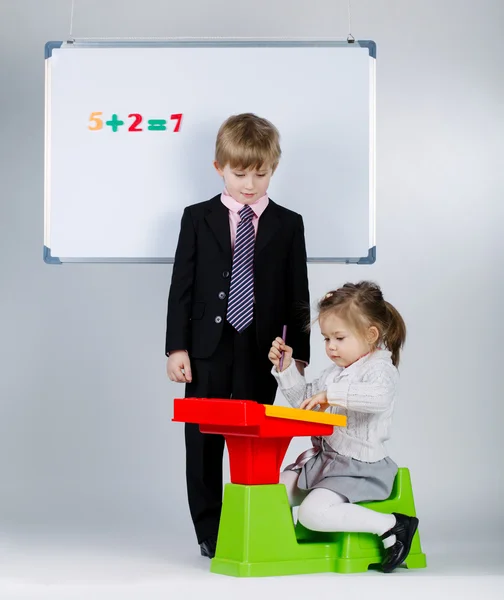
(94,118)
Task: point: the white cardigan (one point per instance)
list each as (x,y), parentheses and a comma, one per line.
(364,392)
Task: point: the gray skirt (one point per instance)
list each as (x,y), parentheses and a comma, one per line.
(358,481)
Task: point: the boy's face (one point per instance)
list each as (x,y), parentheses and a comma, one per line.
(246,186)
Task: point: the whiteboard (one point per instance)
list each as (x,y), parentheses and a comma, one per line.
(115,187)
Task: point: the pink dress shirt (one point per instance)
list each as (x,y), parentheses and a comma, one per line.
(259,206)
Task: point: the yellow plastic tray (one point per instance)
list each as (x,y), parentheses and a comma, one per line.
(312,416)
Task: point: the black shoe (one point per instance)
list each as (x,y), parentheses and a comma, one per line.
(208,546)
(404,530)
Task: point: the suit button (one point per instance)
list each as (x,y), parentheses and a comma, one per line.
(222,295)
(218,319)
(225,274)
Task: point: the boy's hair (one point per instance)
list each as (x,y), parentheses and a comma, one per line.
(247,141)
(362,305)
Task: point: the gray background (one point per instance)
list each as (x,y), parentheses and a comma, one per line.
(86,443)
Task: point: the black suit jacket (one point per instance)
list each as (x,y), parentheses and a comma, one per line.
(201,277)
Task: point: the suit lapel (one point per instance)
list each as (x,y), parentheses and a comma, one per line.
(218,221)
(269,225)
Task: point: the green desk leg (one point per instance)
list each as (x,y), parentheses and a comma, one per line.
(257,536)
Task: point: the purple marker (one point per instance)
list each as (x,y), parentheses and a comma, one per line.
(284,335)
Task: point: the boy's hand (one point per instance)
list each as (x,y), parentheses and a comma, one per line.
(311,403)
(178,367)
(275,354)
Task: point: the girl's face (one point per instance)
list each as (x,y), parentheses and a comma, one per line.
(343,346)
(246,186)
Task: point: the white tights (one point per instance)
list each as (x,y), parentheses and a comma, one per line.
(324,510)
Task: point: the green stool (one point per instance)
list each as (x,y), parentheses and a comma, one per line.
(356,552)
(257,536)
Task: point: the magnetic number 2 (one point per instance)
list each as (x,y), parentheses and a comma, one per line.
(137,120)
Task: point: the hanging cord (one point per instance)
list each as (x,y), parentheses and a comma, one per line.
(70,35)
(350,37)
(71,40)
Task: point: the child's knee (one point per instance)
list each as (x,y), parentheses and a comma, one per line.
(313,510)
(308,516)
(288,478)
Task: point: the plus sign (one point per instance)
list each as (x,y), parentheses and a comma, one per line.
(115,123)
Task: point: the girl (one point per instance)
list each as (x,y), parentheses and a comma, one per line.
(363,336)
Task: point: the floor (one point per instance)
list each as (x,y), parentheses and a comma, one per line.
(43,568)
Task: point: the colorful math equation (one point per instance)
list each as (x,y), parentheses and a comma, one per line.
(96,123)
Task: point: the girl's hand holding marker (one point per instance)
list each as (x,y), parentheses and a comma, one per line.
(280,354)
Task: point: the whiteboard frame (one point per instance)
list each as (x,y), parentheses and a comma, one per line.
(202,43)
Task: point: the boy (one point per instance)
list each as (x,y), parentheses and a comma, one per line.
(239,275)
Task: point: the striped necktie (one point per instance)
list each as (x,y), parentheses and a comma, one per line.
(240,310)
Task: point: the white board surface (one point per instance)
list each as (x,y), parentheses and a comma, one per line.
(112,194)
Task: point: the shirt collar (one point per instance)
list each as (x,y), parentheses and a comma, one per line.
(259,206)
(371,356)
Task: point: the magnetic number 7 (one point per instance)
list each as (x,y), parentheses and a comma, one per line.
(178,118)
(94,118)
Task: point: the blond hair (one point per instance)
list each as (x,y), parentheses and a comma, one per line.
(362,305)
(247,141)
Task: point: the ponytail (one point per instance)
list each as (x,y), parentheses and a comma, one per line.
(395,334)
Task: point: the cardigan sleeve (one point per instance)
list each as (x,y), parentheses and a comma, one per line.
(294,387)
(374,394)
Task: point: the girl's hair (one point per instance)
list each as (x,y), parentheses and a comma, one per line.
(362,306)
(247,141)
